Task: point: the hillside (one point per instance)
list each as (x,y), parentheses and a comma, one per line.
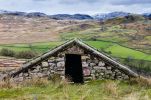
(19,29)
(132,31)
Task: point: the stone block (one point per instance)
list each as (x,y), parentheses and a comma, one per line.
(108,67)
(101,74)
(100,77)
(118,73)
(60,59)
(119,78)
(59,69)
(101,64)
(21,74)
(107,76)
(108,72)
(84,64)
(34,71)
(116,70)
(92,71)
(62,77)
(45,64)
(44,69)
(61,64)
(100,69)
(96,61)
(26,74)
(48,73)
(92,64)
(126,77)
(88,78)
(51,60)
(88,60)
(38,67)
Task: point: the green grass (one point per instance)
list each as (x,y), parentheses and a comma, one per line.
(39,47)
(100,44)
(120,51)
(94,90)
(115,49)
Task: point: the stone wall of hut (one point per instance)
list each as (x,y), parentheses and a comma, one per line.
(93,67)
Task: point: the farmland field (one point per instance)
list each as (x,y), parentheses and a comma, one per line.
(113,49)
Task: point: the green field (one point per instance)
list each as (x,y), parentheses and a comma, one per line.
(38,47)
(94,90)
(114,49)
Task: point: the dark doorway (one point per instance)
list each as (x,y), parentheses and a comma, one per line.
(73,68)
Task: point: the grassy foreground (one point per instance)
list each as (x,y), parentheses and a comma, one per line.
(94,90)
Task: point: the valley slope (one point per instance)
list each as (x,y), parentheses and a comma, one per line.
(133,31)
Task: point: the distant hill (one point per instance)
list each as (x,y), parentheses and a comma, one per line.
(147,15)
(57,16)
(125,19)
(105,16)
(110,15)
(69,17)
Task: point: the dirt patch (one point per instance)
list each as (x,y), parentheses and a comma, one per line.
(10,63)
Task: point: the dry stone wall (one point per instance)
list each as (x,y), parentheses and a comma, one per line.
(93,68)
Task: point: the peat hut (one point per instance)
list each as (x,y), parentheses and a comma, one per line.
(76,61)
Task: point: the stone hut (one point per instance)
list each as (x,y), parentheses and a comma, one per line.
(76,61)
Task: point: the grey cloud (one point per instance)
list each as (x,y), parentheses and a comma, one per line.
(78,1)
(76,6)
(129,2)
(113,2)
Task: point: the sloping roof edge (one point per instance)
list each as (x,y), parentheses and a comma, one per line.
(83,45)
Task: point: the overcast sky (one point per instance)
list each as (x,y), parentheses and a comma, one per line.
(76,6)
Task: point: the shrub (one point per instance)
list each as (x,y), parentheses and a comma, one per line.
(7,52)
(26,54)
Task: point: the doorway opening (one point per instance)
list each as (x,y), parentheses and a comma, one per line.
(73,68)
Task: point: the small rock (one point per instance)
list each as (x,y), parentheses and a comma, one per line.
(61,64)
(109,67)
(92,64)
(101,64)
(60,59)
(84,64)
(21,74)
(45,64)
